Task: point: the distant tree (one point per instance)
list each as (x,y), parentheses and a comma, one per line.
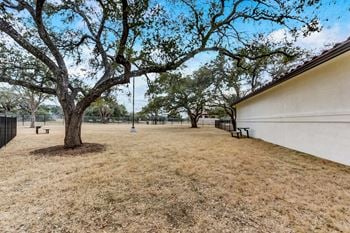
(30,101)
(227,80)
(182,93)
(153,109)
(50,109)
(217,112)
(50,112)
(106,107)
(124,39)
(174,115)
(255,73)
(233,79)
(120,111)
(9,99)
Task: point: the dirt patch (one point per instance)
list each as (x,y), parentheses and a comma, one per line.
(179,214)
(59,150)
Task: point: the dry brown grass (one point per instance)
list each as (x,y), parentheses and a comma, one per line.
(169,179)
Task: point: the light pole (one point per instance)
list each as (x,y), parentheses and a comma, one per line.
(133,130)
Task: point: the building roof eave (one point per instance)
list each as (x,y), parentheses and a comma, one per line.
(325,56)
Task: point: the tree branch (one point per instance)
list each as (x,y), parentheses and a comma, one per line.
(44,35)
(10,31)
(28,85)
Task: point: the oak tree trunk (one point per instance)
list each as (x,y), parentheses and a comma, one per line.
(194,121)
(232,113)
(234,118)
(73,116)
(234,124)
(104,120)
(32,120)
(73,123)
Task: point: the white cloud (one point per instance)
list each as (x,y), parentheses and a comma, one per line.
(317,41)
(325,37)
(280,35)
(198,61)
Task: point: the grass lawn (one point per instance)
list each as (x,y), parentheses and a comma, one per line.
(169,179)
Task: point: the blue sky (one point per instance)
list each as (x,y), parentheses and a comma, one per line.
(335,29)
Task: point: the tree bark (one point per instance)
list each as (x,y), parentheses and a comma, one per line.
(73,123)
(156,119)
(73,115)
(32,120)
(233,121)
(232,113)
(194,121)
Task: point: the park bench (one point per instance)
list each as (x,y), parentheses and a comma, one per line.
(235,133)
(246,129)
(38,127)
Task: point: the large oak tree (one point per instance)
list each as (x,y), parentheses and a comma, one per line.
(182,93)
(90,46)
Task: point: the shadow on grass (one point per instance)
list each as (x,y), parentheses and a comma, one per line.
(59,150)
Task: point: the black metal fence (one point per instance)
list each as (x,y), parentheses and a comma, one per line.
(8,129)
(51,119)
(40,119)
(25,120)
(128,120)
(224,124)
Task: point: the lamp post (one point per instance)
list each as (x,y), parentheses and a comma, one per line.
(133,130)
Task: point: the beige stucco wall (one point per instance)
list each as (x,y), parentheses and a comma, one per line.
(309,113)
